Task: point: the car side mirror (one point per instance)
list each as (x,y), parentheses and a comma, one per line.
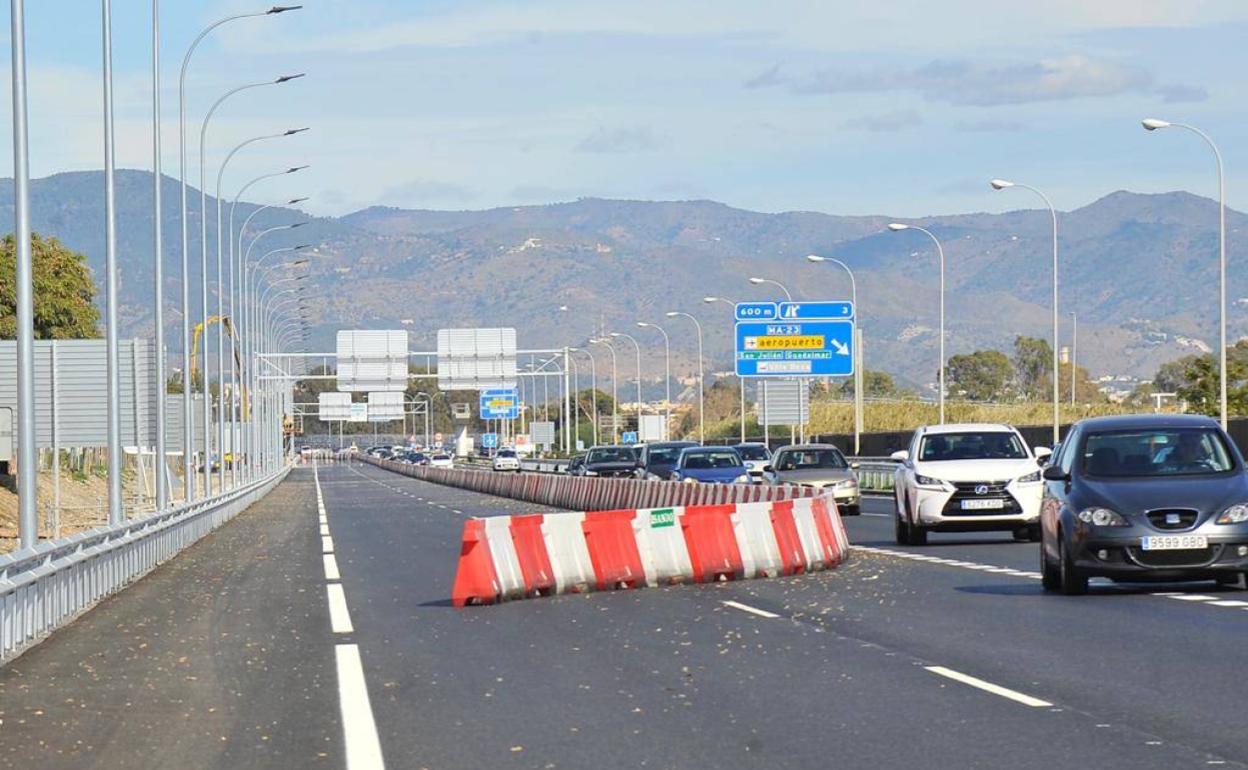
(768,469)
(1042,453)
(853,466)
(1055,473)
(900,456)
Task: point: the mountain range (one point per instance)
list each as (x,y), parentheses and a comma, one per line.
(1139,269)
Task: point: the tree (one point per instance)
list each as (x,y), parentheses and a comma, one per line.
(1195,379)
(1086,391)
(875,384)
(64,291)
(1033,367)
(980,376)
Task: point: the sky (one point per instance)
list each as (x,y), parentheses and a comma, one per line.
(899,107)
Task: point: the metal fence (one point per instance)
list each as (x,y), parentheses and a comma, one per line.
(48,585)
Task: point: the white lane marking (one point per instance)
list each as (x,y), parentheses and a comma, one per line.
(324,529)
(327,544)
(878,515)
(995,689)
(1228,603)
(331,567)
(1194,598)
(359,731)
(751,610)
(339,617)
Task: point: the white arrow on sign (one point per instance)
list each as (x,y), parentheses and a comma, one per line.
(841,348)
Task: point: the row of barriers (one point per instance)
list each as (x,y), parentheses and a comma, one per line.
(511,557)
(593,493)
(44,587)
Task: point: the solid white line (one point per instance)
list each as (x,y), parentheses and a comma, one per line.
(327,544)
(995,689)
(751,610)
(339,617)
(331,567)
(324,529)
(1229,603)
(359,731)
(1194,598)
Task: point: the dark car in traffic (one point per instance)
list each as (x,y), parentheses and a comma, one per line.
(615,461)
(576,466)
(657,460)
(1144,498)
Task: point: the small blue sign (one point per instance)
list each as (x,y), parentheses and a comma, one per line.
(814,311)
(795,349)
(489,440)
(629,437)
(755,311)
(500,404)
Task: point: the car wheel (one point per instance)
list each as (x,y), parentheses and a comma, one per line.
(918,535)
(1074,581)
(1021,534)
(851,510)
(902,530)
(1050,575)
(1033,533)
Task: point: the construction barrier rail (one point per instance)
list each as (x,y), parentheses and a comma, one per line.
(44,587)
(594,493)
(512,557)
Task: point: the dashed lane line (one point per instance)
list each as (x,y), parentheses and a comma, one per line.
(992,568)
(986,686)
(751,610)
(331,567)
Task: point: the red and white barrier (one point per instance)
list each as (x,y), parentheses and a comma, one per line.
(590,493)
(509,557)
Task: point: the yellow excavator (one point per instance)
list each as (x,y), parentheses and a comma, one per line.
(238,360)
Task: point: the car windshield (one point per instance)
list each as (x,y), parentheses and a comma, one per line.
(752,452)
(811,459)
(710,460)
(663,455)
(506,453)
(611,454)
(441,457)
(1163,452)
(980,445)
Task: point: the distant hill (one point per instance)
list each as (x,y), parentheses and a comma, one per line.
(1139,269)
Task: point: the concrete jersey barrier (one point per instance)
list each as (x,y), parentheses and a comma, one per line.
(512,557)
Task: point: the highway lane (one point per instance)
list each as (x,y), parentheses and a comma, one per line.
(844,671)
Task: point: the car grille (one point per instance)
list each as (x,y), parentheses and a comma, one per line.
(965,490)
(1186,518)
(1195,557)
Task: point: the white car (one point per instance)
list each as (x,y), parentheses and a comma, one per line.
(441,461)
(506,460)
(967,478)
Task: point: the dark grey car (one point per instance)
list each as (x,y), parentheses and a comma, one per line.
(1144,498)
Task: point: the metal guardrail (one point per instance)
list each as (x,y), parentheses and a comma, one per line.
(44,587)
(875,476)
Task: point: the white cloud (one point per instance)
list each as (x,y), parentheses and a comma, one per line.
(886,121)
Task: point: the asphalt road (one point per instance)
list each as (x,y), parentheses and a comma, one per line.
(865,666)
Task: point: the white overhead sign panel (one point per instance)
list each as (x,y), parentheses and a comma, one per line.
(334,407)
(372,360)
(385,405)
(476,359)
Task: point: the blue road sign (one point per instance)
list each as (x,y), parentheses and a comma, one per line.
(813,311)
(489,440)
(500,404)
(755,311)
(629,437)
(795,349)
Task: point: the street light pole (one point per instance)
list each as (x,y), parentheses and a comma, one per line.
(1152,124)
(788,296)
(27,453)
(1074,351)
(859,364)
(740,379)
(637,348)
(615,399)
(116,510)
(667,376)
(701,372)
(940,252)
(1001,184)
(162,486)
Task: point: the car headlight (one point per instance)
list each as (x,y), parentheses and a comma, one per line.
(846,484)
(744,478)
(1102,517)
(928,481)
(1030,478)
(690,480)
(591,473)
(1236,514)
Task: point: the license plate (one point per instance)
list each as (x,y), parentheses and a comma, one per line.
(982,505)
(1174,543)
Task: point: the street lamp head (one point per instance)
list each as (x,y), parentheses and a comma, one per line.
(299,262)
(293,169)
(563,308)
(296,224)
(898,227)
(282,9)
(815,258)
(293,131)
(757,281)
(303,246)
(294,201)
(1152,124)
(288,78)
(1000,184)
(615,334)
(710,299)
(671,314)
(643,324)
